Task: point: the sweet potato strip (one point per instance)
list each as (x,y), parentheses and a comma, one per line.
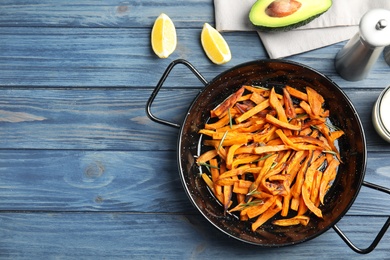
(315,188)
(325,131)
(289,105)
(275,104)
(293,145)
(244,97)
(294,164)
(268,162)
(244,160)
(328,176)
(226,142)
(281,124)
(305,106)
(227,197)
(270,156)
(262,91)
(296,93)
(297,188)
(222,109)
(267,149)
(208,181)
(273,210)
(248,149)
(304,220)
(220,123)
(214,177)
(263,105)
(228,135)
(286,204)
(242,186)
(309,140)
(225,182)
(336,135)
(234,172)
(286,222)
(308,185)
(257,210)
(315,100)
(257,98)
(207,156)
(230,155)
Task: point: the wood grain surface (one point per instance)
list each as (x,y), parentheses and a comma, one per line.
(85,174)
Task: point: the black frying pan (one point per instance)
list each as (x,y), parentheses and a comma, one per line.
(352,148)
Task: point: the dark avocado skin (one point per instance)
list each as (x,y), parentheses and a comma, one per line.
(288,27)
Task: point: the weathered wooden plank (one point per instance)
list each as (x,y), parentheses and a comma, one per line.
(91,181)
(150,236)
(115,119)
(99,57)
(89,119)
(104,14)
(90,57)
(136,181)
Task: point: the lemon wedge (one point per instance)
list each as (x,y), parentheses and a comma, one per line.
(214,45)
(163,37)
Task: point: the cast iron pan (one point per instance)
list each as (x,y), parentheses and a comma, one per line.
(275,73)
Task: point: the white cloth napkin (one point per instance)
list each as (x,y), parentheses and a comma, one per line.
(339,23)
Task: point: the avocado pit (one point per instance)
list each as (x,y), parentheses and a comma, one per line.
(282,8)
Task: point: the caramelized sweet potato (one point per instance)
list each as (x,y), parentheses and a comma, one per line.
(270,156)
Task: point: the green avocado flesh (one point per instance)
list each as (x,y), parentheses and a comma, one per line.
(262,17)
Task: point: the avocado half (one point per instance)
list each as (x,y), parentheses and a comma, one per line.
(285,15)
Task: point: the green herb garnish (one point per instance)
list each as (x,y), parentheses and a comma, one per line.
(263,158)
(273,165)
(252,203)
(260,87)
(331,152)
(222,139)
(253,192)
(331,126)
(208,166)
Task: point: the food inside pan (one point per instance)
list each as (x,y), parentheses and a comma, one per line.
(350,154)
(270,156)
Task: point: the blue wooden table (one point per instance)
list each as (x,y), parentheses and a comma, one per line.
(84,173)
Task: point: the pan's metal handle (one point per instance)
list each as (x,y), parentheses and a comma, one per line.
(380,234)
(161,82)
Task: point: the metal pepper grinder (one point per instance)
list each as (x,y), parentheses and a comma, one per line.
(386,54)
(355,60)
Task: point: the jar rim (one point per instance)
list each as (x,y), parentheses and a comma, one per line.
(384,106)
(380,118)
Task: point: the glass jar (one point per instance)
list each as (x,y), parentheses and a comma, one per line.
(381,114)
